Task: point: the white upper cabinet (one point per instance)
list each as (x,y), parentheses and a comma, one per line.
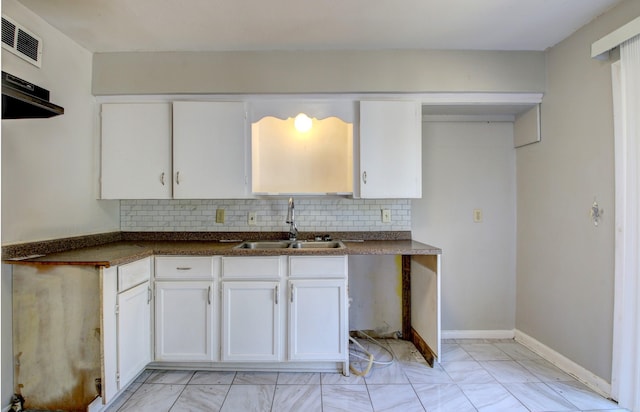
(136,151)
(390,149)
(184,150)
(201,150)
(209,146)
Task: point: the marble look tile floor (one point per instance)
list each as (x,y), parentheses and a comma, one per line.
(474,375)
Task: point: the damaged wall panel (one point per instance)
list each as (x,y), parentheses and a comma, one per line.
(56,335)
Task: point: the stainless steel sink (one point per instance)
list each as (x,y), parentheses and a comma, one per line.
(266,244)
(317,245)
(284,244)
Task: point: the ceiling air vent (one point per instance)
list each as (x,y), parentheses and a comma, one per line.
(21,42)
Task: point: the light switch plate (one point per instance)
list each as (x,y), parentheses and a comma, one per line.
(386,216)
(477,215)
(251,221)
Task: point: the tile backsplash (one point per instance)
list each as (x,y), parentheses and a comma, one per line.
(312,215)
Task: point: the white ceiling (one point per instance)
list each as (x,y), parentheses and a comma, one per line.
(214,25)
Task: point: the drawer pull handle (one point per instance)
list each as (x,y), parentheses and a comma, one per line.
(209,295)
(148,295)
(183,268)
(292,290)
(277,290)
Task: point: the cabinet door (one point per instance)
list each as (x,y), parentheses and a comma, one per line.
(250,321)
(184,321)
(136,151)
(390,149)
(134,332)
(318,320)
(209,150)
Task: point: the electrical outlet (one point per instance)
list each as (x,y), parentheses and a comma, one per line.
(386,216)
(252,219)
(219,215)
(477,215)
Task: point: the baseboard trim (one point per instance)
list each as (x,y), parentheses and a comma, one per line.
(477,334)
(594,382)
(96,405)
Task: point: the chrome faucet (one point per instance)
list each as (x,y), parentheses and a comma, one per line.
(291,220)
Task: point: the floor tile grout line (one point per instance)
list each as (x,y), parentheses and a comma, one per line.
(321,392)
(369,395)
(226,395)
(134,392)
(466,397)
(417,396)
(178,397)
(515,396)
(273,396)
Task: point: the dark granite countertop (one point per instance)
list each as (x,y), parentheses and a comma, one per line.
(128,247)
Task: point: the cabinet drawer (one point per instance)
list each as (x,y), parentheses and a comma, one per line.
(133,274)
(318,266)
(251,267)
(186,267)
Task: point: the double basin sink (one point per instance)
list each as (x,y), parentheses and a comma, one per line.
(290,244)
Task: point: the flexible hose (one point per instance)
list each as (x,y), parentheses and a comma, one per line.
(369,358)
(369,365)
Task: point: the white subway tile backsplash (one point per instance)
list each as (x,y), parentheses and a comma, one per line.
(312,215)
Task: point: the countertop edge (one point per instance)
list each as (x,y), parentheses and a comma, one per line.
(121,252)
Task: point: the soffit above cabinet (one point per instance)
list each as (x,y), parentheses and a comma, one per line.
(488,107)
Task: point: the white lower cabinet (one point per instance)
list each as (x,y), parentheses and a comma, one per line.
(318,313)
(317,329)
(133,314)
(134,332)
(250,321)
(184,314)
(185,310)
(251,309)
(269,309)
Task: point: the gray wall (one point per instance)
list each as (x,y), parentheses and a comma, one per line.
(565,265)
(318,72)
(467,166)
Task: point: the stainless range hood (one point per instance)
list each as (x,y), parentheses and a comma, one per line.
(24,100)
